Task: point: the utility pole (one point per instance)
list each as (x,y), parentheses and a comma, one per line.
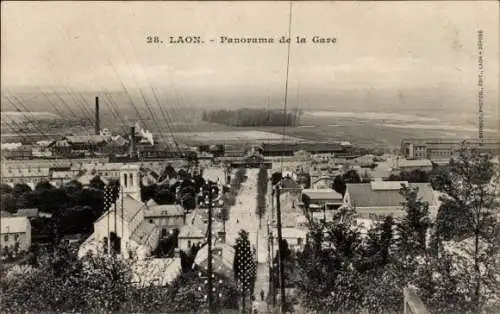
(209,239)
(280,249)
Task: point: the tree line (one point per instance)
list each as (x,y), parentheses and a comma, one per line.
(262,183)
(246,117)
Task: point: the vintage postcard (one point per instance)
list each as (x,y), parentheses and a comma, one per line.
(250,156)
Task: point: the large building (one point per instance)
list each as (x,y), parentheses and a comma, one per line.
(443,149)
(28,175)
(380,198)
(124,225)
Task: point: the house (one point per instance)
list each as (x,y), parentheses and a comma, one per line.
(324,197)
(27,212)
(166,217)
(92,143)
(222,259)
(384,198)
(295,238)
(15,233)
(19,153)
(408,165)
(61,147)
(24,174)
(59,177)
(42,149)
(190,235)
(322,182)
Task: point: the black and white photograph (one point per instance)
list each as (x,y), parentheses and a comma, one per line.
(250,157)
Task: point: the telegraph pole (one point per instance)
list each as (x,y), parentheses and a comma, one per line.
(209,239)
(280,249)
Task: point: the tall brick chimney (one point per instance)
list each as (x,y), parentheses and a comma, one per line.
(97,122)
(132,142)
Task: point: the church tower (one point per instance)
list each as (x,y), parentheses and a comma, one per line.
(130,181)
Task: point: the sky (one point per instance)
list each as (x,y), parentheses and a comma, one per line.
(391,55)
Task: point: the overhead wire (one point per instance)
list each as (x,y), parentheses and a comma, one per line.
(286,82)
(159,105)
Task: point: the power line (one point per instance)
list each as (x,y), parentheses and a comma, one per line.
(286,80)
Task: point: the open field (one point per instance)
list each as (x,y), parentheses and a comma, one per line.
(363,129)
(236,136)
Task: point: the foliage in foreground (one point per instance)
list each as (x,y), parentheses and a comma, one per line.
(454,270)
(61,283)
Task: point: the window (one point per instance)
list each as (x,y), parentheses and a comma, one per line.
(125,179)
(151,221)
(189,243)
(131,178)
(299,241)
(16,236)
(6,237)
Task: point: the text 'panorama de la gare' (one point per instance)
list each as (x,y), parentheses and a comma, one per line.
(195,39)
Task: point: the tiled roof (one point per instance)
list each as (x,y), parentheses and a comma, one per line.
(225,254)
(27,212)
(379,185)
(362,195)
(190,231)
(164,211)
(14,225)
(131,208)
(156,271)
(414,163)
(143,232)
(322,194)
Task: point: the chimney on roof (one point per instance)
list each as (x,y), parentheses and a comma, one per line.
(97,122)
(132,142)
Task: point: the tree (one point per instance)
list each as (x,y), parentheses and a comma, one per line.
(244,266)
(73,186)
(97,183)
(339,185)
(5,188)
(351,176)
(8,202)
(305,180)
(148,192)
(262,180)
(20,189)
(376,249)
(276,178)
(413,227)
(469,191)
(163,195)
(64,284)
(43,186)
